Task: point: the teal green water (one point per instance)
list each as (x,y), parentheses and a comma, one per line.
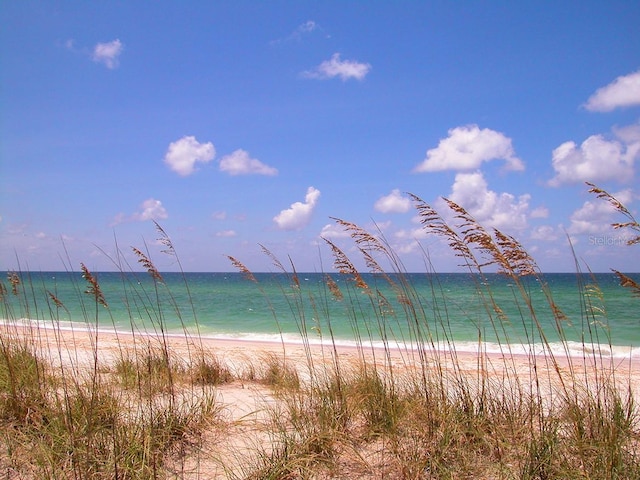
(441,309)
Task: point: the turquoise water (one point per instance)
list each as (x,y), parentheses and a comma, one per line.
(441,309)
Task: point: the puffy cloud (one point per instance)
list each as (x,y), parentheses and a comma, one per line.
(240,163)
(540,212)
(150,209)
(335,67)
(502,211)
(107,53)
(183,154)
(226,233)
(395,202)
(298,214)
(624,91)
(467,147)
(546,233)
(597,159)
(596,216)
(333,230)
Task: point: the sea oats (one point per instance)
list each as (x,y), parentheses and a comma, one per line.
(333,288)
(517,260)
(165,240)
(93,288)
(432,222)
(628,282)
(278,264)
(343,265)
(242,268)
(148,264)
(14,280)
(367,243)
(55,300)
(475,234)
(631,224)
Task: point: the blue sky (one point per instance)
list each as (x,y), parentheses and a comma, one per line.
(236,124)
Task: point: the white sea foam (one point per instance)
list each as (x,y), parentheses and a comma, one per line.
(571,348)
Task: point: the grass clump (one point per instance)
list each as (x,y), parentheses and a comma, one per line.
(209,370)
(80,427)
(276,372)
(21,381)
(151,371)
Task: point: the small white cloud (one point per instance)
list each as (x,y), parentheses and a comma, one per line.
(307,27)
(490,209)
(107,53)
(545,233)
(183,154)
(395,202)
(333,230)
(335,67)
(303,29)
(467,147)
(596,216)
(240,163)
(299,214)
(418,233)
(597,159)
(150,209)
(226,233)
(409,241)
(219,215)
(624,91)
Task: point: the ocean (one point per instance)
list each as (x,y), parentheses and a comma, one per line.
(441,310)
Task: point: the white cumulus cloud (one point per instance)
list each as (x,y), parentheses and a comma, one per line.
(540,212)
(335,67)
(240,163)
(545,233)
(467,147)
(490,209)
(298,214)
(333,230)
(624,91)
(395,202)
(597,159)
(183,154)
(150,209)
(596,216)
(107,53)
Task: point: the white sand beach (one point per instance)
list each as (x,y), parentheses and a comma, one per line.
(247,407)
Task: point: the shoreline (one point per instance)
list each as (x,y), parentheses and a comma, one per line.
(571,349)
(76,343)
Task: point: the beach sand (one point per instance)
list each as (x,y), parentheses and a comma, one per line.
(246,407)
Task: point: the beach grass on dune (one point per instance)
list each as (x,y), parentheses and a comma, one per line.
(85,402)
